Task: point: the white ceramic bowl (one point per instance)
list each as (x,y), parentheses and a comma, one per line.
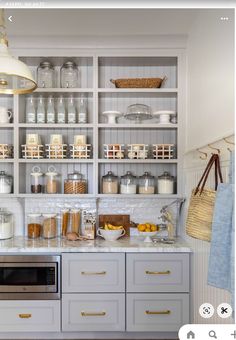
(147,235)
(110,235)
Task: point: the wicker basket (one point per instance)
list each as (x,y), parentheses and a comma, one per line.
(138,82)
(6,151)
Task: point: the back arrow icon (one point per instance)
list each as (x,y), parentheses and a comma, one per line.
(10,18)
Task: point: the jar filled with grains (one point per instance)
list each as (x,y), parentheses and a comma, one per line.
(110,183)
(75,184)
(51,178)
(34,225)
(49,226)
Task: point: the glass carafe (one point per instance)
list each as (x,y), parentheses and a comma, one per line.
(69,75)
(46,75)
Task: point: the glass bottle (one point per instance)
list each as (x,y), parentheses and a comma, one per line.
(61,112)
(165,183)
(45,74)
(71,111)
(41,111)
(128,184)
(82,114)
(146,184)
(50,111)
(110,183)
(69,75)
(6,183)
(30,110)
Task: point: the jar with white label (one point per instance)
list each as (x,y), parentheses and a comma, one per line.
(128,184)
(6,182)
(165,184)
(146,184)
(6,224)
(30,111)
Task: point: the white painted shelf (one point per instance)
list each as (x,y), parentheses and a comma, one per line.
(56,195)
(138,196)
(139,161)
(64,160)
(63,90)
(7,160)
(138,90)
(5,126)
(55,126)
(138,126)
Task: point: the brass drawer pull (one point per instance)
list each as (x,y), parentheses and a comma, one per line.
(93,273)
(164,312)
(93,314)
(25,316)
(158,273)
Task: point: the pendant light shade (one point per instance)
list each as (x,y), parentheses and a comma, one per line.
(15,76)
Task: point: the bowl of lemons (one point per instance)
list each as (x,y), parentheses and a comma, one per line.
(147,230)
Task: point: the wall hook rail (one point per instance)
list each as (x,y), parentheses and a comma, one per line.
(228,142)
(212,147)
(203,155)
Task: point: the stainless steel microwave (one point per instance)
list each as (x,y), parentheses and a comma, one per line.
(32,277)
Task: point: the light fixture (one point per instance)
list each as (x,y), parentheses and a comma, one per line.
(15,76)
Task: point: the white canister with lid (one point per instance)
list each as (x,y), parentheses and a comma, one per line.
(6,182)
(51,181)
(6,224)
(165,183)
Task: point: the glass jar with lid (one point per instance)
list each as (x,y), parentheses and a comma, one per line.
(6,224)
(165,183)
(146,184)
(51,178)
(69,75)
(75,184)
(49,229)
(6,183)
(36,180)
(110,183)
(34,225)
(46,75)
(128,184)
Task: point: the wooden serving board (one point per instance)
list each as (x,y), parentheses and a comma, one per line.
(116,220)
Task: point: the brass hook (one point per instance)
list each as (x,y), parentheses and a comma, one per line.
(203,153)
(228,142)
(211,147)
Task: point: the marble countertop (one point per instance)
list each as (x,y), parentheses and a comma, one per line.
(125,245)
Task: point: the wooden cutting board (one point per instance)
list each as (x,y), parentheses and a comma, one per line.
(116,220)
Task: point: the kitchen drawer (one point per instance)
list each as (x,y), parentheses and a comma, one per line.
(96,272)
(157,273)
(93,312)
(30,316)
(157,312)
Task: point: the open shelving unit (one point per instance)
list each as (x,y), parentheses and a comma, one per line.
(96,68)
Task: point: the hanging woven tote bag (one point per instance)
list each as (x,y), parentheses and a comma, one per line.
(202,202)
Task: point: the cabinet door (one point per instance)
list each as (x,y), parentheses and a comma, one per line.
(93,312)
(30,316)
(157,273)
(157,312)
(96,272)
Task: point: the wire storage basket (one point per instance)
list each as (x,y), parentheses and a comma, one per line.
(56,151)
(114,151)
(163,151)
(32,151)
(6,151)
(80,151)
(138,151)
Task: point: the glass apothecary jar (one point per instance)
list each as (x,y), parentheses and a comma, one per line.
(75,184)
(110,183)
(128,184)
(6,183)
(69,75)
(36,177)
(146,184)
(46,75)
(52,181)
(49,229)
(34,225)
(165,183)
(6,224)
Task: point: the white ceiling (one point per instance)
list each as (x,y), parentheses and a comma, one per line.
(98,22)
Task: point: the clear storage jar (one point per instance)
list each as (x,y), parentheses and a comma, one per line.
(146,184)
(6,224)
(46,75)
(36,180)
(128,184)
(51,178)
(165,183)
(69,75)
(49,226)
(34,225)
(6,183)
(75,184)
(110,183)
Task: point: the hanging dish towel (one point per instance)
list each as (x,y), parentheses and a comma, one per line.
(221,260)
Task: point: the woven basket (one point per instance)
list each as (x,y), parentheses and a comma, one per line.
(138,82)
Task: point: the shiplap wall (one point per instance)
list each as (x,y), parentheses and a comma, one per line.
(201,292)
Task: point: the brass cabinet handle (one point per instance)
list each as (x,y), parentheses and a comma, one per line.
(94,273)
(25,316)
(93,314)
(167,272)
(164,312)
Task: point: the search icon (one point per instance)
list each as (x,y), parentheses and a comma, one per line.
(212,334)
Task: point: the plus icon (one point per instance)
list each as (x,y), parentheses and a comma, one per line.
(234,334)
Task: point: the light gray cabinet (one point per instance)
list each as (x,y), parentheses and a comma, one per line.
(157,273)
(157,312)
(93,312)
